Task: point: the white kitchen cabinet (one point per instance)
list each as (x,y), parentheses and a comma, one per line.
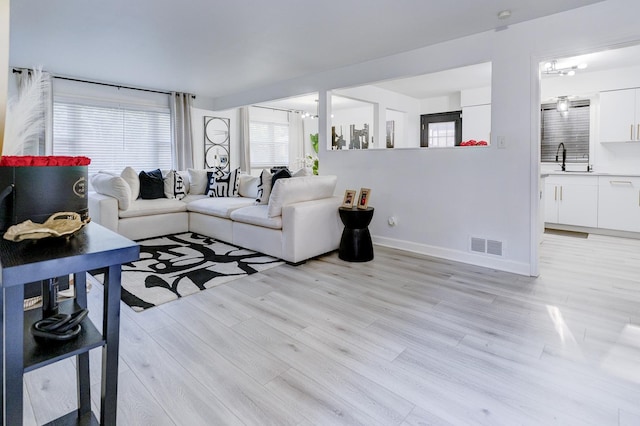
(571,200)
(620,115)
(619,203)
(476,122)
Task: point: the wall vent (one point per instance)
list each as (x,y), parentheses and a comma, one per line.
(494,247)
(478,244)
(482,245)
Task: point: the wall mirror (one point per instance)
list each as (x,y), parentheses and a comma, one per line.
(216,142)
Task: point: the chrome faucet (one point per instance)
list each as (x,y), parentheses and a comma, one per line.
(564,155)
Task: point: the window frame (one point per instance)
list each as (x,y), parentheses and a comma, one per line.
(440,117)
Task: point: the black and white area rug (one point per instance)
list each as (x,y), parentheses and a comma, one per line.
(178,265)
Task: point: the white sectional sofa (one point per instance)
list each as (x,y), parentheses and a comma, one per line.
(300,220)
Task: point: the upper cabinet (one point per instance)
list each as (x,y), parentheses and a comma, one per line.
(476,122)
(620,115)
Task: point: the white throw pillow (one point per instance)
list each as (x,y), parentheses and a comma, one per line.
(132,178)
(248,186)
(264,187)
(169,180)
(297,189)
(305,171)
(198,181)
(114,186)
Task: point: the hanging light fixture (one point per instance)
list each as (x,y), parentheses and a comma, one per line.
(551,68)
(562,105)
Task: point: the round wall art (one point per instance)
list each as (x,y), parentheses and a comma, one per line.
(216,142)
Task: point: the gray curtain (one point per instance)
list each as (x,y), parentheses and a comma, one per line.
(243,137)
(296,141)
(180,104)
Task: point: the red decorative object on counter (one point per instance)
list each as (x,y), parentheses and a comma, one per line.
(472,142)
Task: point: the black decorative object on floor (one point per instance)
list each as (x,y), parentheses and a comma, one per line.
(355,243)
(178,265)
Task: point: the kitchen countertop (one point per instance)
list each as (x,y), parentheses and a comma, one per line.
(561,173)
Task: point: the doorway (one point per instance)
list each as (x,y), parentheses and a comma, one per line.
(575,195)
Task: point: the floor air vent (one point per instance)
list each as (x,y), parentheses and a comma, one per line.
(481,245)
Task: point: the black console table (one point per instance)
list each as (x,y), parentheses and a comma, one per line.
(356,244)
(93,247)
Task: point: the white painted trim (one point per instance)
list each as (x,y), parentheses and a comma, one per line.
(485,261)
(534,184)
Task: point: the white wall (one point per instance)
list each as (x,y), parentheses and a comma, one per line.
(443,197)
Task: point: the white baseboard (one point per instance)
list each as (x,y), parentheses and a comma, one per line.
(487,261)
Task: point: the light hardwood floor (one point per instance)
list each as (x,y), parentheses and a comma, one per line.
(402,340)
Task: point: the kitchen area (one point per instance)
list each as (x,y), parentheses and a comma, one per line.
(590,143)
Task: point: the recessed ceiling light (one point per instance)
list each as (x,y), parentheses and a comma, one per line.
(504,14)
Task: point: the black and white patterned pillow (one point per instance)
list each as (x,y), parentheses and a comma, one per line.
(264,187)
(179,189)
(223,184)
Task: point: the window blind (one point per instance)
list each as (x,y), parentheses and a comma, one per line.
(113,136)
(570,128)
(269,144)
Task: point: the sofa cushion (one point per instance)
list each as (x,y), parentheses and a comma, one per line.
(114,186)
(131,177)
(223,184)
(151,185)
(256,215)
(248,186)
(296,189)
(141,207)
(264,187)
(198,181)
(218,206)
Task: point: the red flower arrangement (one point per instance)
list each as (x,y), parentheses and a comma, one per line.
(472,142)
(42,161)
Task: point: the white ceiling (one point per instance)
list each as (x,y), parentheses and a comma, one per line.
(216,48)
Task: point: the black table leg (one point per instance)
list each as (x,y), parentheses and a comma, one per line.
(110,331)
(14,353)
(82,360)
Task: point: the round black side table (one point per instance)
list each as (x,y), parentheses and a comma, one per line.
(355,244)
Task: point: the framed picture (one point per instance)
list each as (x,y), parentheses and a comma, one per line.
(349,198)
(363,198)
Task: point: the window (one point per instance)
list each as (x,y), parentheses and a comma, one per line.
(571,128)
(441,129)
(112,135)
(269,144)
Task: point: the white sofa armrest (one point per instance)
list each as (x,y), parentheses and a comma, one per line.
(103,209)
(310,228)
